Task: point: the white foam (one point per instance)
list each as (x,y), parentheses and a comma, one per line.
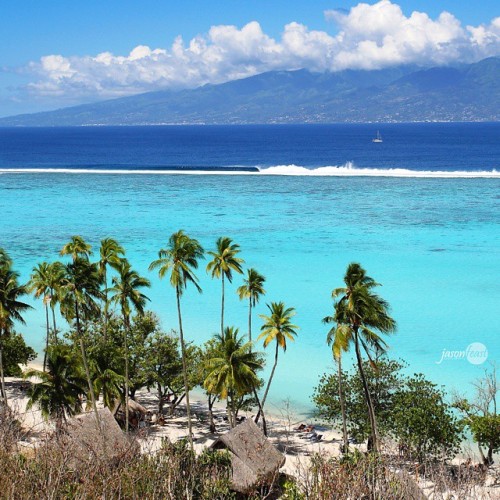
(349,170)
(346,170)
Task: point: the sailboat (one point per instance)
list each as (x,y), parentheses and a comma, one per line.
(378,138)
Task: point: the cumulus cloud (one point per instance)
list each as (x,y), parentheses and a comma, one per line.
(366,37)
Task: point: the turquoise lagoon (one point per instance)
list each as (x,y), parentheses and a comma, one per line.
(433,243)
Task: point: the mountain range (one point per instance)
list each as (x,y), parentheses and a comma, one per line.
(404,94)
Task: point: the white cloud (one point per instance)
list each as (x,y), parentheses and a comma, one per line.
(367,37)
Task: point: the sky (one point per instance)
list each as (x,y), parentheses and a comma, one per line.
(58,53)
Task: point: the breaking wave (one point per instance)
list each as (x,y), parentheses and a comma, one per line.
(346,170)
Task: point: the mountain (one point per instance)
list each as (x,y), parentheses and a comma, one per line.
(466,93)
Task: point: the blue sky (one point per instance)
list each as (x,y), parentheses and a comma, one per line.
(71,34)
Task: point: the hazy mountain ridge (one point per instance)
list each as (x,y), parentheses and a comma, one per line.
(468,93)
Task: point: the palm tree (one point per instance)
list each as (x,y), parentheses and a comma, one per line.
(223,264)
(11,308)
(232,373)
(77,247)
(252,289)
(126,294)
(276,328)
(40,285)
(81,286)
(60,387)
(363,311)
(337,338)
(179,259)
(55,278)
(109,252)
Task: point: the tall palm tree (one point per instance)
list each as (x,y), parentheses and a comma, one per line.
(55,278)
(179,259)
(338,339)
(126,294)
(109,252)
(252,289)
(223,264)
(232,373)
(40,285)
(11,307)
(81,286)
(363,312)
(277,328)
(60,387)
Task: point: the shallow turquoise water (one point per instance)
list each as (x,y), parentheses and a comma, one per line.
(434,244)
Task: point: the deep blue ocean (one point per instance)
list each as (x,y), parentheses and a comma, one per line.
(420,211)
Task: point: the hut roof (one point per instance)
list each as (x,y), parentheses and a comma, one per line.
(83,439)
(254,459)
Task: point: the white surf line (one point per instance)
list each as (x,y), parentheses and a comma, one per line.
(279,170)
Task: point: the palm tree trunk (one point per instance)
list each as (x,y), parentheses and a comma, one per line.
(54,323)
(222,308)
(342,408)
(211,400)
(368,398)
(47,338)
(268,384)
(87,372)
(125,344)
(250,321)
(184,369)
(233,412)
(2,378)
(106,307)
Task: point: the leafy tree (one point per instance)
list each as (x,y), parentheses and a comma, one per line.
(363,312)
(222,266)
(163,363)
(424,422)
(180,259)
(485,430)
(232,374)
(127,295)
(384,380)
(59,392)
(480,415)
(11,307)
(277,328)
(16,353)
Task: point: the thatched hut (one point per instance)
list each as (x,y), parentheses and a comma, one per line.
(255,461)
(83,441)
(136,413)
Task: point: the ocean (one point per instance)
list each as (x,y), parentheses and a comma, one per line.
(419,211)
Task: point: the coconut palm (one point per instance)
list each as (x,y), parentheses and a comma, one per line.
(55,278)
(252,289)
(109,252)
(232,373)
(363,312)
(338,339)
(77,247)
(11,307)
(60,388)
(41,285)
(81,286)
(277,328)
(126,294)
(223,264)
(179,259)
